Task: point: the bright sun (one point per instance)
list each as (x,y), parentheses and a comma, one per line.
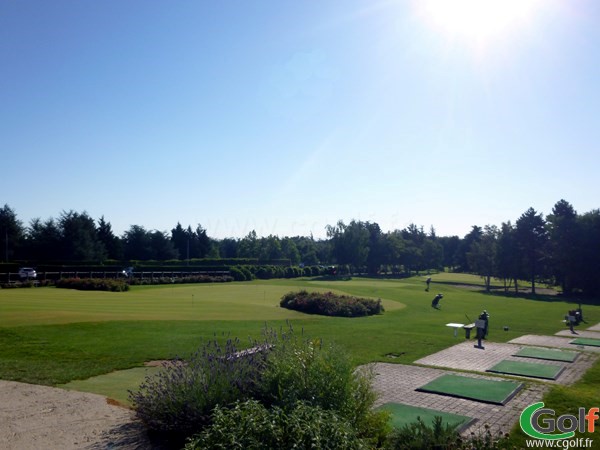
(478,22)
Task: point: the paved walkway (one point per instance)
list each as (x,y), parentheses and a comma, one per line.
(398,383)
(595,327)
(579,333)
(553,342)
(465,357)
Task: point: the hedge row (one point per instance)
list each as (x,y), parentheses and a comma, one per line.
(246,273)
(26,284)
(93,284)
(330,304)
(180,280)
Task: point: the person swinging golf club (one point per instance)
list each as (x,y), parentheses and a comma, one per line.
(435,303)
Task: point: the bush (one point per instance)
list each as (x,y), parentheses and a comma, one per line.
(330,304)
(300,379)
(180,398)
(321,376)
(247,273)
(250,425)
(237,274)
(181,280)
(26,284)
(93,284)
(419,435)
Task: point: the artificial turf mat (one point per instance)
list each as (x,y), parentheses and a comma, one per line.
(527,369)
(586,341)
(547,353)
(486,391)
(401,415)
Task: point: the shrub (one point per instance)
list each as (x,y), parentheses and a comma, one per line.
(250,425)
(249,275)
(419,435)
(93,284)
(330,304)
(181,280)
(180,398)
(237,274)
(321,376)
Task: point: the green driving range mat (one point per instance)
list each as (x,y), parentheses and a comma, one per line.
(586,341)
(401,415)
(527,369)
(547,353)
(486,391)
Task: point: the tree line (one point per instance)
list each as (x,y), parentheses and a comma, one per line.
(562,248)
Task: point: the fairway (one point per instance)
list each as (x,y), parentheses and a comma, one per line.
(54,336)
(227,301)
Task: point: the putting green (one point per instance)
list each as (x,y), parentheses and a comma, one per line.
(486,391)
(114,385)
(547,353)
(586,341)
(402,415)
(527,369)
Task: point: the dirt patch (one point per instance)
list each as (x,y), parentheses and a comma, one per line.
(34,417)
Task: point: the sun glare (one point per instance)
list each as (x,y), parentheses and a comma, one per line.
(478,22)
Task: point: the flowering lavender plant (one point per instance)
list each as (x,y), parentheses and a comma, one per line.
(180,398)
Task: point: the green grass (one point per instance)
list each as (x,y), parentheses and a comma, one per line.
(402,415)
(567,400)
(56,336)
(53,336)
(478,389)
(114,385)
(527,369)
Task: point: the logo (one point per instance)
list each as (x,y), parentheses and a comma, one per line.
(540,423)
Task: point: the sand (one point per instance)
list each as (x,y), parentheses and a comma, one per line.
(41,417)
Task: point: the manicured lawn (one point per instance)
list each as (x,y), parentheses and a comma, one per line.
(53,336)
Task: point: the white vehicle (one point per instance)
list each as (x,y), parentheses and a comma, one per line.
(27,272)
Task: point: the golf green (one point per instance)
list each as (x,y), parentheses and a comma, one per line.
(547,353)
(478,389)
(586,341)
(402,415)
(527,369)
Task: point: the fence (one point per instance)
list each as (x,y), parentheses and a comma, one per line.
(9,277)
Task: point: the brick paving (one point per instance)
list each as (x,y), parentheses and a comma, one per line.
(465,357)
(579,333)
(398,383)
(553,342)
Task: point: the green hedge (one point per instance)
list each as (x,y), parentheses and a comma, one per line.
(93,284)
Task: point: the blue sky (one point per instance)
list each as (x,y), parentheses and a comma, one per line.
(285,116)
